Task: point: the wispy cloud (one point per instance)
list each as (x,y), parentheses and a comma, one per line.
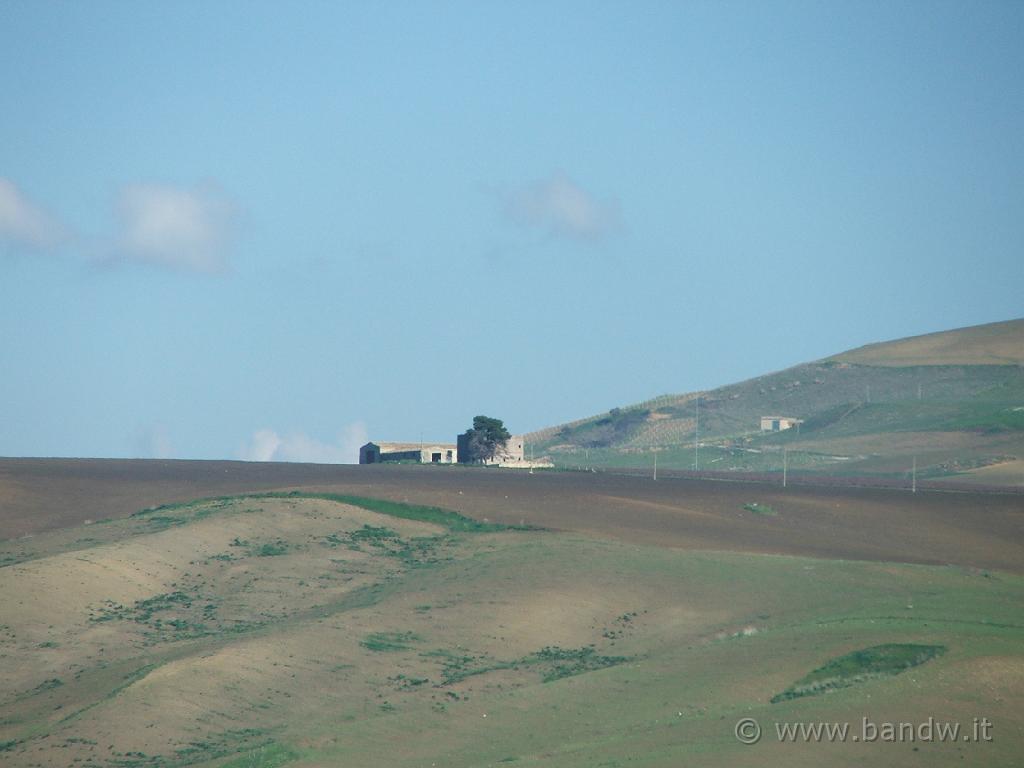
(561,207)
(181,228)
(268,445)
(23,224)
(152,442)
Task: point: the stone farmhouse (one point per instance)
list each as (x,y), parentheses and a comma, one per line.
(424,453)
(512,455)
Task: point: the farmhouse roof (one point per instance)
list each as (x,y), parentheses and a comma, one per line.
(395,447)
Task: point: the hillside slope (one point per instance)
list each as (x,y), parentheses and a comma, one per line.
(952,400)
(990,344)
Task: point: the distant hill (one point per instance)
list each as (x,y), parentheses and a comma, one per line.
(952,401)
(991,344)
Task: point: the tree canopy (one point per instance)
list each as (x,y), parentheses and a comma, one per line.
(483,439)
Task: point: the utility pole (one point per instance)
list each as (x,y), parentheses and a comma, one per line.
(919,391)
(785,466)
(867,393)
(913,477)
(655,465)
(696,432)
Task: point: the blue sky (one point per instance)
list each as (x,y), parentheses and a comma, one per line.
(272,230)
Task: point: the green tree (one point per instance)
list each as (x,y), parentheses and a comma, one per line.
(483,439)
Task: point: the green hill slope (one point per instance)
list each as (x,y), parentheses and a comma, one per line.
(953,400)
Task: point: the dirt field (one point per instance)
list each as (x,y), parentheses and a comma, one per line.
(977,530)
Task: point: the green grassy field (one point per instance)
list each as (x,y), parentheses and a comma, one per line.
(294,630)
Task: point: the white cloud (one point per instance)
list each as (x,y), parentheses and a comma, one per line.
(178,227)
(24,224)
(261,446)
(562,207)
(268,445)
(152,442)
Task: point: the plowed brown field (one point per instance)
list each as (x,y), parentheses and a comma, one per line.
(978,530)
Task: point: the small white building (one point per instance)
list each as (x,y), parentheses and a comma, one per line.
(778,423)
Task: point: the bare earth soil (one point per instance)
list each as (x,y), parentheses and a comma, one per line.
(979,530)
